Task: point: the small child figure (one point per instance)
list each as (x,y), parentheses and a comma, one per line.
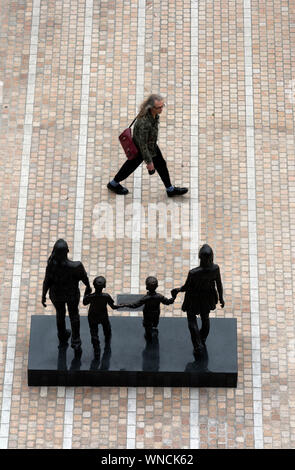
(98,313)
(151,309)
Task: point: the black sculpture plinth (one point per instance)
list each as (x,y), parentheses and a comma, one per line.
(167,361)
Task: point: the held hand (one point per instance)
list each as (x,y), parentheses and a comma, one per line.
(174,293)
(88,290)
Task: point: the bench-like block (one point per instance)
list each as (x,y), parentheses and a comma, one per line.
(132,362)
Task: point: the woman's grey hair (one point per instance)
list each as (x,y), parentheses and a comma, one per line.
(148,104)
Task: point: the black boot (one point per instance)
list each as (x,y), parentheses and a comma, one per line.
(177,192)
(119,189)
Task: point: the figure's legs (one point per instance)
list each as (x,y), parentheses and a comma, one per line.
(205,328)
(107,330)
(194,331)
(75,325)
(128,167)
(161,167)
(62,333)
(148,333)
(94,337)
(148,326)
(155,323)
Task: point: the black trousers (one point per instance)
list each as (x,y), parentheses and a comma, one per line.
(198,335)
(130,166)
(73,309)
(106,326)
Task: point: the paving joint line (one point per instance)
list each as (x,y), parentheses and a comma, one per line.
(252,229)
(136,220)
(194,199)
(80,194)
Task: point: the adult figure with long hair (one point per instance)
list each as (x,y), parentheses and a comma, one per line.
(62,279)
(201,296)
(145,135)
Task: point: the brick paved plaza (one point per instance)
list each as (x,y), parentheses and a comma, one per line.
(72,75)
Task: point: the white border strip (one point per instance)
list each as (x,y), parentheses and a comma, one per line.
(252,229)
(137,183)
(136,221)
(20,231)
(80,194)
(1,92)
(194,199)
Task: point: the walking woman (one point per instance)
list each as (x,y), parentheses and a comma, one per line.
(145,135)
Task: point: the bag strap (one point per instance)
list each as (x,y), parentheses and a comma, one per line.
(133,122)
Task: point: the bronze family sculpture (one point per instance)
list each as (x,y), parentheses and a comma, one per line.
(203,288)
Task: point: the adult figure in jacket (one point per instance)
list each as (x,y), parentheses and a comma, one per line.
(201,296)
(62,279)
(145,135)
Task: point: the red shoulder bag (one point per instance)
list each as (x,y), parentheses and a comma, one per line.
(127,143)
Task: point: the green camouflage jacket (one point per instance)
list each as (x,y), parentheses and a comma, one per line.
(145,135)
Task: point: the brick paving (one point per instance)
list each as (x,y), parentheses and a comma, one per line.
(100,415)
